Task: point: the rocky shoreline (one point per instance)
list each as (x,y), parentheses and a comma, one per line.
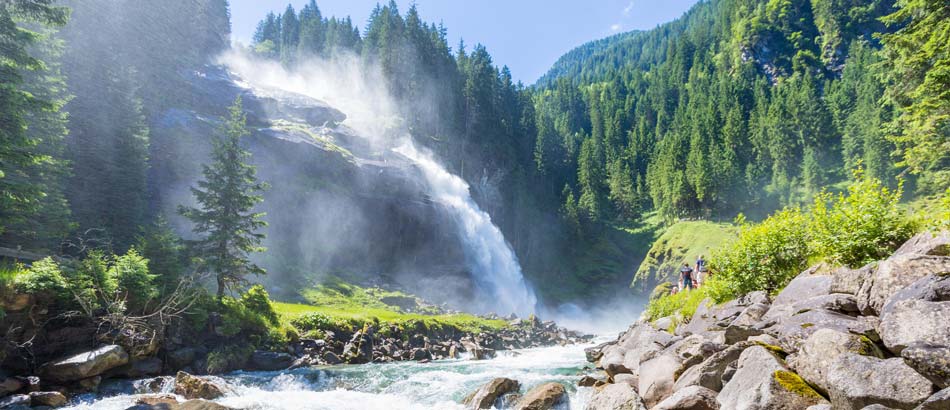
(53,383)
(873,338)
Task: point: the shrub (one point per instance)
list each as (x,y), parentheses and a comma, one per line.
(133,280)
(44,276)
(765,256)
(682,304)
(257,301)
(863,226)
(89,280)
(228,357)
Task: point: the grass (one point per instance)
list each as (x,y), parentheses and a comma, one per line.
(327,144)
(680,306)
(349,305)
(681,243)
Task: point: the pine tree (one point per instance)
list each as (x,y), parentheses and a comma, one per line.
(226,198)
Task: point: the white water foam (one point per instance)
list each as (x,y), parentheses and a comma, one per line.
(496,269)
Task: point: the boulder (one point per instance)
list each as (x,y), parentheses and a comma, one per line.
(794,330)
(10,385)
(855,381)
(202,405)
(626,378)
(896,273)
(543,397)
(270,361)
(161,384)
(360,347)
(593,354)
(615,397)
(939,401)
(588,381)
(932,362)
(823,406)
(193,387)
(849,281)
(180,358)
(690,398)
(486,396)
(819,353)
(915,321)
(419,354)
(48,398)
(85,365)
(331,358)
(708,374)
(657,378)
(168,400)
(877,407)
(139,368)
(927,243)
(762,381)
(807,284)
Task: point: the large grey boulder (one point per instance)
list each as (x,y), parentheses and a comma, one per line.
(855,381)
(616,397)
(763,382)
(932,362)
(625,356)
(849,281)
(915,321)
(794,330)
(657,378)
(709,372)
(690,398)
(85,365)
(270,361)
(939,401)
(544,397)
(808,284)
(927,243)
(822,349)
(486,395)
(193,387)
(896,273)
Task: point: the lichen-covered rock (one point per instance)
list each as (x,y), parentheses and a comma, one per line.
(855,381)
(193,387)
(85,365)
(616,397)
(794,330)
(915,321)
(939,401)
(763,382)
(819,353)
(896,273)
(709,372)
(486,395)
(933,362)
(690,398)
(543,397)
(47,398)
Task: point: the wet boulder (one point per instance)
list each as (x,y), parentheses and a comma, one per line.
(270,361)
(487,395)
(47,398)
(15,401)
(544,397)
(85,365)
(690,398)
(616,397)
(193,387)
(822,349)
(762,381)
(855,381)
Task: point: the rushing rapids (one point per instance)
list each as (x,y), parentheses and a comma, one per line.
(391,386)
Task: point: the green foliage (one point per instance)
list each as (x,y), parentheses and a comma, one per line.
(681,306)
(133,281)
(257,301)
(682,242)
(44,276)
(227,196)
(765,256)
(228,357)
(865,225)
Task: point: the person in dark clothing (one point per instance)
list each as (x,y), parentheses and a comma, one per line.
(701,271)
(687,276)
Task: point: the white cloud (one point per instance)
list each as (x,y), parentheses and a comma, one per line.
(627,10)
(615,27)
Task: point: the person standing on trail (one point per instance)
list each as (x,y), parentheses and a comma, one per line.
(700,270)
(686,274)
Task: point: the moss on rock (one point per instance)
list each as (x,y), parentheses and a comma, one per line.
(795,384)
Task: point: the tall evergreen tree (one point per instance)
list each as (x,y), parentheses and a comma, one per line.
(226,197)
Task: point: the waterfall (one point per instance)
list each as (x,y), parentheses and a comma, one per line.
(495,268)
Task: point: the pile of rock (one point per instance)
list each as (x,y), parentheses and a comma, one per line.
(835,338)
(505,393)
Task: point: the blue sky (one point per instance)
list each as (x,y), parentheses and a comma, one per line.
(526,35)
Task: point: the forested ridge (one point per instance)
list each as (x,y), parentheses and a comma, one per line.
(738,106)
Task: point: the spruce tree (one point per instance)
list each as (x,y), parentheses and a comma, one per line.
(226,197)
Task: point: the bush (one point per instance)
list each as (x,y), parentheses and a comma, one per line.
(257,301)
(766,256)
(680,306)
(44,276)
(861,227)
(133,281)
(228,357)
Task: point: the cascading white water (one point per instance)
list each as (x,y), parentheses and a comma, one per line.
(495,266)
(356,90)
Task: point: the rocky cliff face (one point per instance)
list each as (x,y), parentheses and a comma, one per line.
(337,203)
(834,338)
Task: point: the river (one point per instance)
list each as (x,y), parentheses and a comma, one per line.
(392,386)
